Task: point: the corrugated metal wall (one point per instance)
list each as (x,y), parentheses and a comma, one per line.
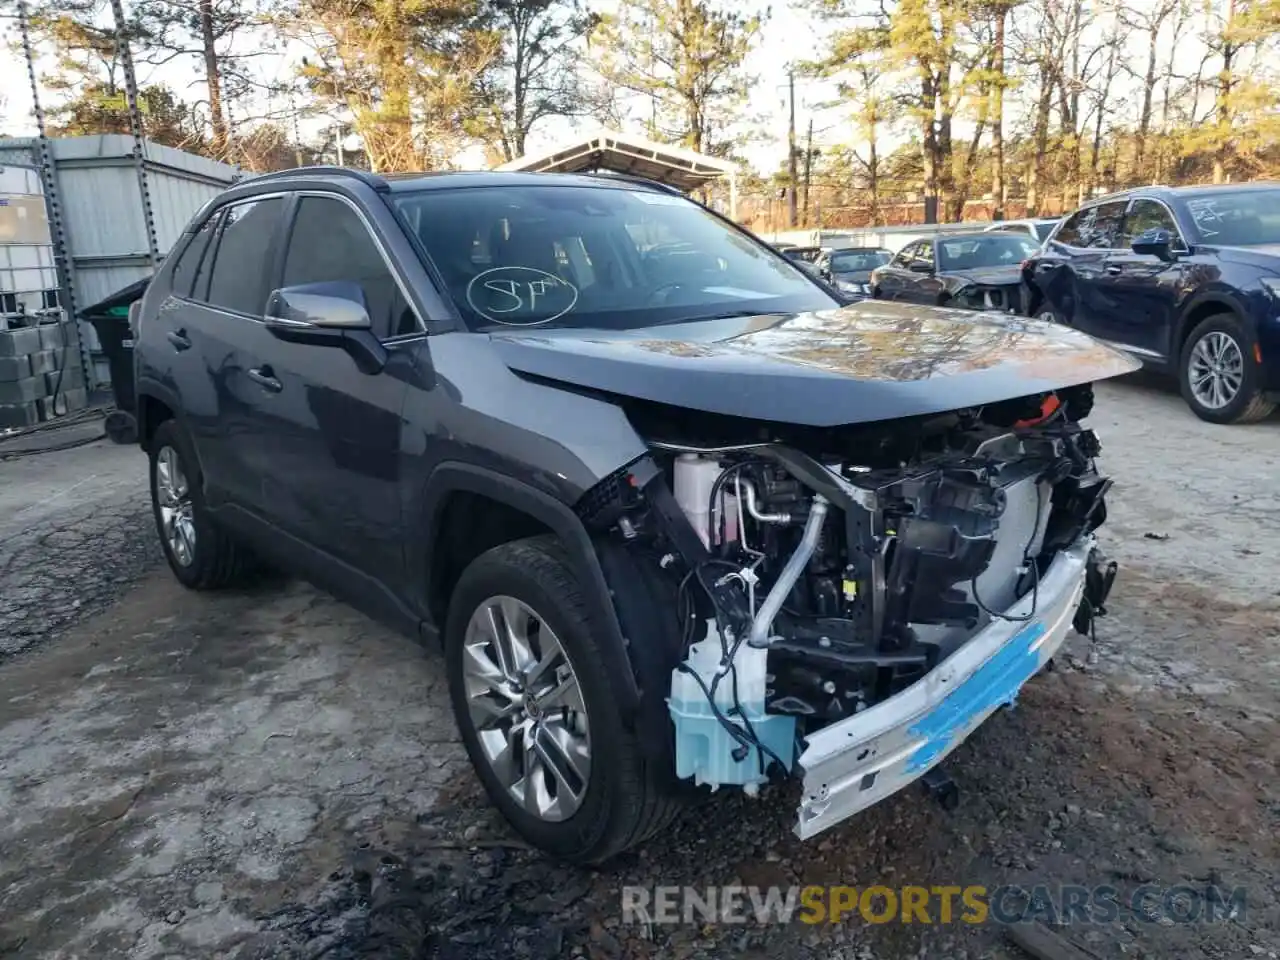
(102,206)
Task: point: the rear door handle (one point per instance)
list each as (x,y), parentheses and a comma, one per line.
(265,378)
(179,339)
(1114,269)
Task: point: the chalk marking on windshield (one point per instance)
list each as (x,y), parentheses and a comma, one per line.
(518,294)
(1205,212)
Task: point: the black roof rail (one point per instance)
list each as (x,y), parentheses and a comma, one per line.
(322,170)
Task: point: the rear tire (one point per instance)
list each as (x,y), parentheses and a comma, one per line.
(200,553)
(621,797)
(1219,375)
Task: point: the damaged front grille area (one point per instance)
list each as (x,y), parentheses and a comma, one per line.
(1003,298)
(814,585)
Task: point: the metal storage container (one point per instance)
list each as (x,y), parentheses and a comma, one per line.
(28,279)
(102,210)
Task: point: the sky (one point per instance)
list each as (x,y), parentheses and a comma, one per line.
(788,35)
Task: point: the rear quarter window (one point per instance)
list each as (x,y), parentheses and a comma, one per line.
(188,263)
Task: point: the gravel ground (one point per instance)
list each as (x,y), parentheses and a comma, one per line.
(268,774)
(75,531)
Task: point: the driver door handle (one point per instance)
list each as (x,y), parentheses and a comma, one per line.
(265,377)
(179,339)
(1114,269)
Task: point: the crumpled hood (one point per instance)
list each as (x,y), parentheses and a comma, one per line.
(869,361)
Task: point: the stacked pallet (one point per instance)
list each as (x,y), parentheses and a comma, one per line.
(40,374)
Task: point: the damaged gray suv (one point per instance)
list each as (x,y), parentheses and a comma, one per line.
(680,518)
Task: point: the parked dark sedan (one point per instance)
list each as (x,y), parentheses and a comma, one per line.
(849,270)
(1185,279)
(977,271)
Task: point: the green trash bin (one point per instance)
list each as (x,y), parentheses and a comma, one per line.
(112,323)
(116,340)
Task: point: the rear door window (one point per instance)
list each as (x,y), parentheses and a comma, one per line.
(1099,227)
(905,255)
(237,280)
(924,254)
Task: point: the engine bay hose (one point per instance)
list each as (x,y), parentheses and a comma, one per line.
(763,621)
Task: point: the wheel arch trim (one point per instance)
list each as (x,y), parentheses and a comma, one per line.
(153,389)
(1194,309)
(454,477)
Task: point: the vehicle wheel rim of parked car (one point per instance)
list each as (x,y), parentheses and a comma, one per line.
(524,699)
(176,517)
(1046,316)
(1217,369)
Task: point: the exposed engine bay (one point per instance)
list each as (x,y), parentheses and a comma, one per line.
(821,572)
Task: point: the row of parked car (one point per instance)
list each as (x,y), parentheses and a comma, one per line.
(1185,279)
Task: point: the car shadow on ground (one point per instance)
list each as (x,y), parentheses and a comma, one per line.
(1166,387)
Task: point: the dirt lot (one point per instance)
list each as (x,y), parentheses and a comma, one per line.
(269,774)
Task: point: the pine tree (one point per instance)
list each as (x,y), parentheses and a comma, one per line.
(686,58)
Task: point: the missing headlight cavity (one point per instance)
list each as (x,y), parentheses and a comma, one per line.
(819,573)
(1003,298)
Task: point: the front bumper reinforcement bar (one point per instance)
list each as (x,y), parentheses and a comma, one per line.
(851,765)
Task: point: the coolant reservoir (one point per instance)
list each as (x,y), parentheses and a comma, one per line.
(704,748)
(695,476)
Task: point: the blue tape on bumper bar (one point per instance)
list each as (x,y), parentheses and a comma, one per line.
(994,684)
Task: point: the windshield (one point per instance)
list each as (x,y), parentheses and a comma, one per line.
(988,250)
(596,257)
(1043,228)
(1239,219)
(854,261)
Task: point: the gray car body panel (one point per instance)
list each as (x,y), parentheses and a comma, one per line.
(867,362)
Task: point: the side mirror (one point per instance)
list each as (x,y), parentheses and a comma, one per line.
(338,305)
(918,267)
(327,315)
(1155,243)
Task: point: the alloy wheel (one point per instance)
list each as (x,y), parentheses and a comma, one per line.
(1215,369)
(177,520)
(525,702)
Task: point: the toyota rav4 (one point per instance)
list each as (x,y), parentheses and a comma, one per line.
(679,517)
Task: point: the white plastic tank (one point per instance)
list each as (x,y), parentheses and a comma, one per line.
(695,477)
(705,750)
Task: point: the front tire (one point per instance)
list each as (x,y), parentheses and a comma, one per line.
(537,711)
(1219,373)
(200,553)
